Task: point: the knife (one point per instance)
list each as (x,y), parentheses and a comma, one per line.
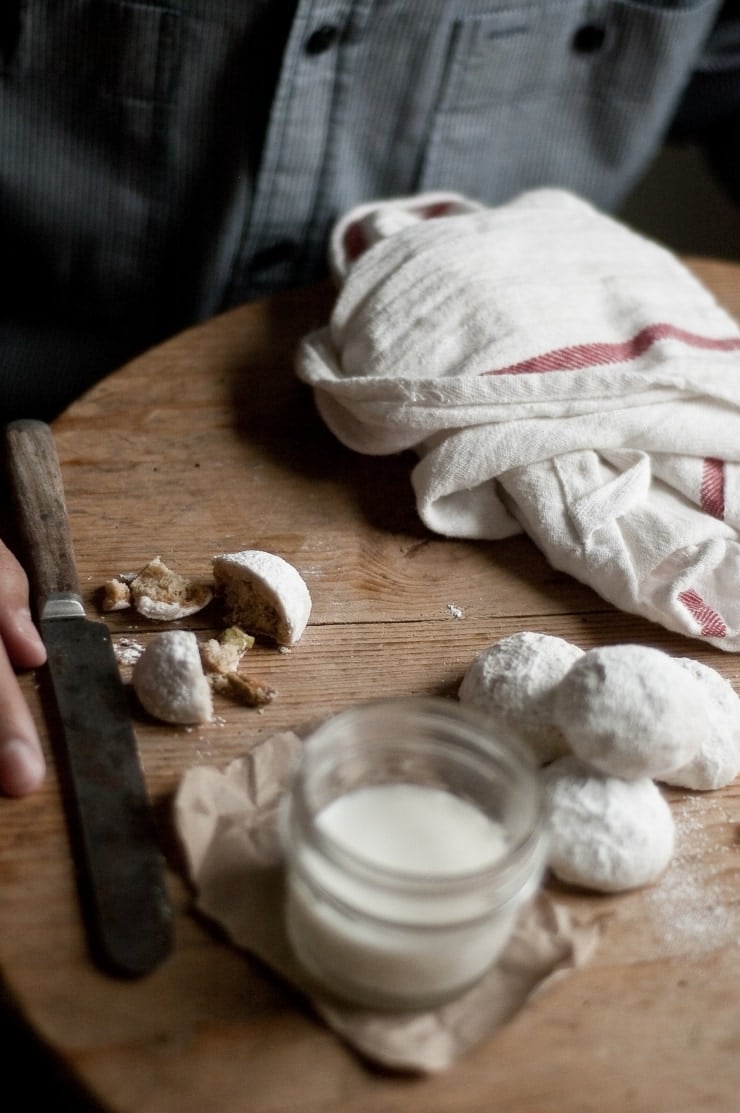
(112,829)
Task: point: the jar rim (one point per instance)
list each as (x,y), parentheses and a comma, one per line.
(504,871)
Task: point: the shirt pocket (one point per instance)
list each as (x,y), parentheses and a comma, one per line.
(85,94)
(573,93)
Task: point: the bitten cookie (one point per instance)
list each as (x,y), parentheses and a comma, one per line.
(161,594)
(263,594)
(169,680)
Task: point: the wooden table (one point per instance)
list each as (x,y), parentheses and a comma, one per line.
(210,444)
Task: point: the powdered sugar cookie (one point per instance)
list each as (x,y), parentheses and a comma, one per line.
(631,711)
(264,594)
(514,680)
(717,761)
(169,680)
(605,833)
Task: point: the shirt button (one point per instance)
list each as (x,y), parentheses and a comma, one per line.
(322,39)
(589,39)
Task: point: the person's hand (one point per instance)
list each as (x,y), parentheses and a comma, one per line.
(22,765)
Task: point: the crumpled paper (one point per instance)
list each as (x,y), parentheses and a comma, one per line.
(227,822)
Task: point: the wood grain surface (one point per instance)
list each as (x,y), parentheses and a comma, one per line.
(210,444)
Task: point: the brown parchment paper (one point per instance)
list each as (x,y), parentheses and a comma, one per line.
(227,822)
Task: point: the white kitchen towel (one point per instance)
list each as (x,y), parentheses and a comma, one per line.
(555,372)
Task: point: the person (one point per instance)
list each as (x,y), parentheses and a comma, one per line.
(162,162)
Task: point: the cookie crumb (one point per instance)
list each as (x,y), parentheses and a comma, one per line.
(223,654)
(115,595)
(127,651)
(244,689)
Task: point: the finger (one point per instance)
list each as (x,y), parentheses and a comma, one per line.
(22,765)
(17,630)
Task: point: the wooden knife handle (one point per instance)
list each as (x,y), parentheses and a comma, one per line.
(38,496)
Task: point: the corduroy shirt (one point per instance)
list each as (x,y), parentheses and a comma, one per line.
(162,160)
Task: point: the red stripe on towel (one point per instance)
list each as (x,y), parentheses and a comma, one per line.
(354,240)
(438,208)
(713,487)
(712,625)
(577,356)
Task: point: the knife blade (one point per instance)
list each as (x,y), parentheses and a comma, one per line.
(119,864)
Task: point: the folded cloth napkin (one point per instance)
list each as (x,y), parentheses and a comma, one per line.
(556,373)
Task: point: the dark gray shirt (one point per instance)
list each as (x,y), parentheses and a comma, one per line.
(161,160)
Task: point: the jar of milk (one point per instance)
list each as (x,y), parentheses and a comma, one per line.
(412,837)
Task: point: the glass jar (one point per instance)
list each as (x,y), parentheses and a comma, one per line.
(412,837)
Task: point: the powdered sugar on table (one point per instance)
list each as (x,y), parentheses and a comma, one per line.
(694,908)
